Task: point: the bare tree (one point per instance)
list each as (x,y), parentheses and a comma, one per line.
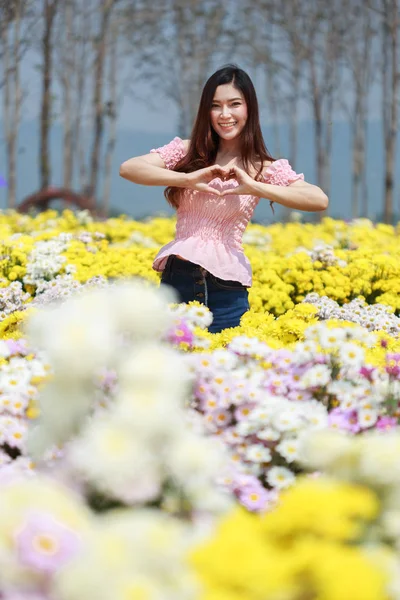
(111,114)
(66,63)
(188,39)
(388,13)
(50,8)
(14,41)
(106,7)
(322,24)
(359,73)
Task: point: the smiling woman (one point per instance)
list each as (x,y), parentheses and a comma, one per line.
(215,180)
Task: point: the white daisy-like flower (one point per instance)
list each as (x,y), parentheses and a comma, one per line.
(14,382)
(289,449)
(351,355)
(316,376)
(367,417)
(287,421)
(246,427)
(258,453)
(15,434)
(268,434)
(244,346)
(304,352)
(280,477)
(199,316)
(223,358)
(331,337)
(18,404)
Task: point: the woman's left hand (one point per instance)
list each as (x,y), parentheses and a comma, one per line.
(246,183)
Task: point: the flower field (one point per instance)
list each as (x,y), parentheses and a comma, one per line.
(142,457)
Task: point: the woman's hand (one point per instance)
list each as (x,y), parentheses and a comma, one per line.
(246,183)
(199,180)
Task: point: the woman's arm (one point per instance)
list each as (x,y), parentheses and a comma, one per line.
(299,195)
(150,169)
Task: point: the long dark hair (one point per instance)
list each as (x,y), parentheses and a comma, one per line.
(204,140)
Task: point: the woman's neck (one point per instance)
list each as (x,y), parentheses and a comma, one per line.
(229,148)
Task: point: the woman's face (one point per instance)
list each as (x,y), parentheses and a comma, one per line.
(228,111)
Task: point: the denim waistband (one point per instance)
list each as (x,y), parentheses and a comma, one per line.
(184,266)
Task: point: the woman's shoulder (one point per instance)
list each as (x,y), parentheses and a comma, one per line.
(280,172)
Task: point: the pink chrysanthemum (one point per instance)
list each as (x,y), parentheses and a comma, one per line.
(45,544)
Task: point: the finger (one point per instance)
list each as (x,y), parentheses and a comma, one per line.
(212,190)
(208,188)
(229,192)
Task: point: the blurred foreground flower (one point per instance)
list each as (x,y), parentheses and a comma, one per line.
(313,545)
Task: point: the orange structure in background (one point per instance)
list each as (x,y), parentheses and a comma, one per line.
(42,199)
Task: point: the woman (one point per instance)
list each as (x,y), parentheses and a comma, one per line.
(214,181)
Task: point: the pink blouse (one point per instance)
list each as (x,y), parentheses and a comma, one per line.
(209,228)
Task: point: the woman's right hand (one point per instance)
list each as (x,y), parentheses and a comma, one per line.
(199,180)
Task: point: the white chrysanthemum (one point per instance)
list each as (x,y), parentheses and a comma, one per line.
(331,337)
(287,421)
(198,316)
(76,335)
(289,449)
(367,417)
(244,345)
(268,434)
(116,462)
(280,477)
(351,355)
(246,427)
(304,352)
(258,453)
(316,376)
(322,449)
(378,458)
(129,556)
(225,359)
(191,457)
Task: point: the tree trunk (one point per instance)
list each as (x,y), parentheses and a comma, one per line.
(67,77)
(98,108)
(7,92)
(50,9)
(112,117)
(82,66)
(390,101)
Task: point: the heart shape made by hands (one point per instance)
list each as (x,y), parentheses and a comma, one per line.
(224,173)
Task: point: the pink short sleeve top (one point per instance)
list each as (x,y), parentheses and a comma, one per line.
(209,228)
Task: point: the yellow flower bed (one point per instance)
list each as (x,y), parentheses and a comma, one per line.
(367,264)
(309,547)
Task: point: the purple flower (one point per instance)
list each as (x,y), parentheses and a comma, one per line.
(3,182)
(386,423)
(346,421)
(254,497)
(17,347)
(181,332)
(367,372)
(45,544)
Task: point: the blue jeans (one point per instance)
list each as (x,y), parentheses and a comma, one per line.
(227,300)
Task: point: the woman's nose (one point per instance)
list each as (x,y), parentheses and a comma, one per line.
(225,111)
